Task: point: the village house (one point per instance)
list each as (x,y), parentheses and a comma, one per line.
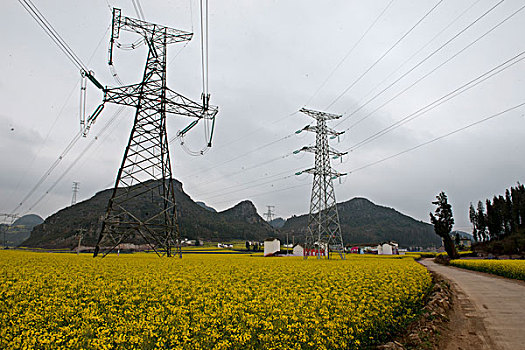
(388,248)
(298,250)
(271,246)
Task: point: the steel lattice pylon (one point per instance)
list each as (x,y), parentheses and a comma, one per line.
(145,172)
(323,235)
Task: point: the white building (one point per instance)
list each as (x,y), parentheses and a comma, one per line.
(388,248)
(298,250)
(271,246)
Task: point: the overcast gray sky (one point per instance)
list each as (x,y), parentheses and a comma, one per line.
(267,60)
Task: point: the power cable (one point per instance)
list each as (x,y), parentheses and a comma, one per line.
(204,40)
(68,148)
(394,155)
(437,138)
(53,34)
(420,63)
(245,154)
(79,157)
(415,54)
(250,182)
(264,193)
(349,52)
(248,187)
(435,69)
(138,9)
(384,54)
(456,92)
(56,119)
(239,172)
(479,18)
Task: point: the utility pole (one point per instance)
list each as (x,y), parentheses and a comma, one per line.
(324,229)
(75,191)
(145,173)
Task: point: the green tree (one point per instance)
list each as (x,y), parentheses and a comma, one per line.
(482,222)
(509,222)
(473,216)
(443,221)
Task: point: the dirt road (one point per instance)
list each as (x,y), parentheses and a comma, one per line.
(490,311)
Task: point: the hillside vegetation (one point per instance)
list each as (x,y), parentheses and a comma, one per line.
(363,222)
(60,230)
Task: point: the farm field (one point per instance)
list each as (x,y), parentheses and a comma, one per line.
(506,268)
(204,301)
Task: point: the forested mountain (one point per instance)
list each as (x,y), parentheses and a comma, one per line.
(61,230)
(20,230)
(277,222)
(363,222)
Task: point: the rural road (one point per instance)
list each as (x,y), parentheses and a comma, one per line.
(491,310)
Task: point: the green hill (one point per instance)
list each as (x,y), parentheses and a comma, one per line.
(60,230)
(363,222)
(20,230)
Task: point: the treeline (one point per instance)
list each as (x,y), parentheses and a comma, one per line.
(499,217)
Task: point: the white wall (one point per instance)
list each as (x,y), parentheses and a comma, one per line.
(271,247)
(298,250)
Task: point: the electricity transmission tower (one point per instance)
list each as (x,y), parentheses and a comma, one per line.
(324,230)
(75,192)
(145,174)
(269,214)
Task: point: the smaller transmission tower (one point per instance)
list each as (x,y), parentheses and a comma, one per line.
(270,214)
(323,235)
(75,192)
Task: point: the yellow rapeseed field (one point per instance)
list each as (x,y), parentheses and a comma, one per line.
(506,268)
(140,301)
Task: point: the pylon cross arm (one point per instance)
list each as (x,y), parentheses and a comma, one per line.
(175,103)
(147,29)
(320,115)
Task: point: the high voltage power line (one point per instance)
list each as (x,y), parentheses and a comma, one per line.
(458,91)
(60,158)
(273,142)
(406,73)
(408,59)
(48,172)
(138,9)
(435,69)
(53,34)
(239,172)
(384,55)
(454,37)
(463,88)
(36,14)
(408,150)
(350,51)
(438,138)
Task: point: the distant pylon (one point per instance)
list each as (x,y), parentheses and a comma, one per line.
(323,235)
(269,214)
(75,192)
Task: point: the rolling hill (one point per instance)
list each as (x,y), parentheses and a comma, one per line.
(60,230)
(363,222)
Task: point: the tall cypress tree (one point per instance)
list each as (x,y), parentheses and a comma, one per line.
(443,222)
(482,222)
(474,220)
(510,226)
